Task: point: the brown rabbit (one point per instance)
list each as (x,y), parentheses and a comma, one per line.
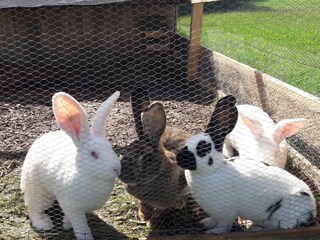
(149,166)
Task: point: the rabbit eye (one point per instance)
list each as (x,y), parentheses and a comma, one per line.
(203,148)
(94,155)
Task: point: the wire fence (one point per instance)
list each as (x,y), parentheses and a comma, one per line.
(169,87)
(278,38)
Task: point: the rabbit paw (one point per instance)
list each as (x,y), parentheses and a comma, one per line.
(255,229)
(216,230)
(145,212)
(208,223)
(181,202)
(219,229)
(66,223)
(41,222)
(84,236)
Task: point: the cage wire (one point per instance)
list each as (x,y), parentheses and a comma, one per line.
(142,49)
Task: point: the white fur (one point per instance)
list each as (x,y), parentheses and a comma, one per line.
(226,189)
(75,166)
(246,188)
(257,137)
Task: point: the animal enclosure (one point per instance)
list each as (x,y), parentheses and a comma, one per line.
(90,49)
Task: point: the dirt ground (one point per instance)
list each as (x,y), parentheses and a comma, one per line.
(21,123)
(23,120)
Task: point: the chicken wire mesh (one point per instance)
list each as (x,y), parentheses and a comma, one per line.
(138,48)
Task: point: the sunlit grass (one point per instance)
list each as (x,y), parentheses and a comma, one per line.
(280,38)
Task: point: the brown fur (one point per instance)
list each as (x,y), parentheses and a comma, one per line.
(149,167)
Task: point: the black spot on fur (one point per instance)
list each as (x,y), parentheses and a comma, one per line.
(203,148)
(304,193)
(267,164)
(210,161)
(274,207)
(186,159)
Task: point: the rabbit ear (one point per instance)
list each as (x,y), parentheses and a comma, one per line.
(70,116)
(289,127)
(223,120)
(140,101)
(154,121)
(253,124)
(99,120)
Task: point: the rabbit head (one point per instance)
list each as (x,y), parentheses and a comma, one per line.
(208,146)
(255,136)
(146,157)
(94,152)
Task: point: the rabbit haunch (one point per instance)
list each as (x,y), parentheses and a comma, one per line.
(250,189)
(257,137)
(75,166)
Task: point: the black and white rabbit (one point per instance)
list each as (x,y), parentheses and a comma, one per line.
(235,187)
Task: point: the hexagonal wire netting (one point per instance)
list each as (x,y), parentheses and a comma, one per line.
(143,49)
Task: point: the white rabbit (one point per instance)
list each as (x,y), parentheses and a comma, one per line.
(75,166)
(257,137)
(250,189)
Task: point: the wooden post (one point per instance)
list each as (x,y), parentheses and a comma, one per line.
(262,92)
(195,40)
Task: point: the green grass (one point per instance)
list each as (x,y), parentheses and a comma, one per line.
(280,38)
(285,4)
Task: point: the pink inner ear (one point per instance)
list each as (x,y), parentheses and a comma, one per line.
(253,124)
(73,126)
(283,133)
(68,115)
(287,131)
(290,128)
(247,121)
